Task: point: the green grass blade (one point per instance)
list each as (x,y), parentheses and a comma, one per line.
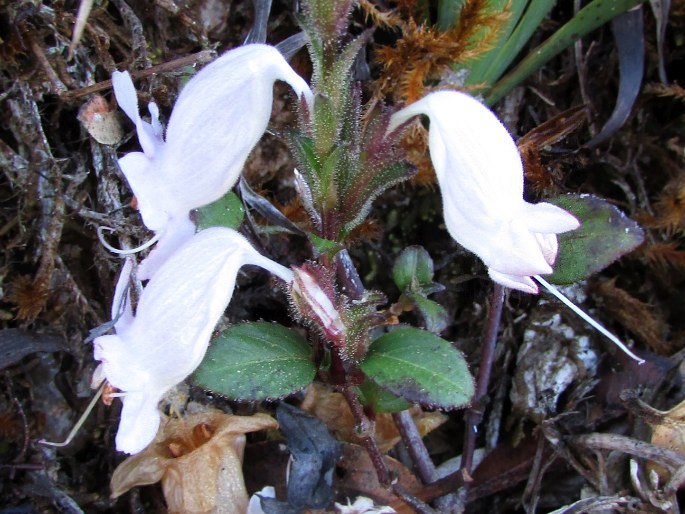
(531,20)
(448,13)
(592,16)
(479,68)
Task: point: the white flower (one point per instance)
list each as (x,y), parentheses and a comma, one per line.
(480,174)
(218,118)
(174,319)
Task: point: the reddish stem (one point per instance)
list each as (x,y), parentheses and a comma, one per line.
(474,415)
(368,441)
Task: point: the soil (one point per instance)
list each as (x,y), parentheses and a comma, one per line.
(554,379)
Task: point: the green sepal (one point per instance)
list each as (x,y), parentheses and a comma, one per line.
(366,186)
(323,246)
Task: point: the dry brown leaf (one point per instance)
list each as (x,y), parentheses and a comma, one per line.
(666,256)
(101,121)
(360,478)
(332,408)
(636,316)
(198,459)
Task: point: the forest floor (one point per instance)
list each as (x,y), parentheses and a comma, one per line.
(554,379)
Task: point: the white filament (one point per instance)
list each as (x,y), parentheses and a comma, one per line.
(79,423)
(119,251)
(587,318)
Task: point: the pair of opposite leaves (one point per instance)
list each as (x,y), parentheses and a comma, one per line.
(219,117)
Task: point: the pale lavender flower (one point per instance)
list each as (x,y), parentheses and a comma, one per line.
(218,118)
(167,338)
(480,175)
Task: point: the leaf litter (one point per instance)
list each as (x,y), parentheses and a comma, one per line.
(58,185)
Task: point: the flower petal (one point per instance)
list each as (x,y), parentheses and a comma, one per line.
(184,300)
(525,284)
(119,363)
(219,117)
(147,185)
(175,234)
(480,174)
(139,421)
(547,218)
(150,136)
(176,315)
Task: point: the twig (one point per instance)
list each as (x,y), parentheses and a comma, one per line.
(57,85)
(133,23)
(21,456)
(445,485)
(668,458)
(411,500)
(475,414)
(600,502)
(189,60)
(412,439)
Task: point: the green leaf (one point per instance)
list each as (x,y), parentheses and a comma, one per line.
(305,154)
(448,13)
(256,361)
(227,211)
(605,235)
(420,367)
(434,315)
(379,399)
(413,267)
(366,186)
(323,246)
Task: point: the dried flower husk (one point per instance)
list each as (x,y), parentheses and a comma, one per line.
(198,459)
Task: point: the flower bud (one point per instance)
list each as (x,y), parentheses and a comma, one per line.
(313,297)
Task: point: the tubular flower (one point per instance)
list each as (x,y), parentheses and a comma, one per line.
(480,175)
(218,118)
(168,336)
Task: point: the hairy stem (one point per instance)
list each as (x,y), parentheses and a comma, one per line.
(366,435)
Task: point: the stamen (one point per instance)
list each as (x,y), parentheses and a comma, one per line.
(587,318)
(79,423)
(119,251)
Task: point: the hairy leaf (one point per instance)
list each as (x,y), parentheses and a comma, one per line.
(420,367)
(256,361)
(605,235)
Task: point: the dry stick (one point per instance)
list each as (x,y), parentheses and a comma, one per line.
(414,443)
(475,414)
(189,60)
(416,504)
(667,458)
(421,458)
